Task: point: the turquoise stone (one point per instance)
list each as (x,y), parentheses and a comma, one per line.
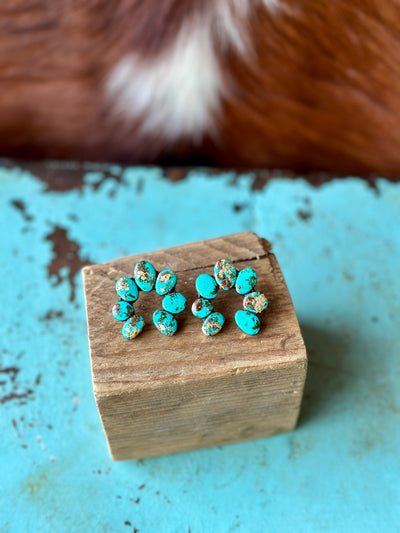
(165,323)
(213,324)
(246,280)
(166,281)
(127,289)
(145,275)
(122,310)
(133,327)
(255,302)
(247,322)
(206,286)
(225,274)
(174,303)
(202,307)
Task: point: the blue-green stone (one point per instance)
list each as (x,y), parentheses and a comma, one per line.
(213,324)
(174,303)
(127,289)
(246,280)
(145,276)
(202,307)
(122,310)
(255,302)
(133,327)
(247,322)
(165,323)
(206,286)
(166,281)
(225,274)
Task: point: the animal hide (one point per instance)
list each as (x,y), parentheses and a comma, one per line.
(300,84)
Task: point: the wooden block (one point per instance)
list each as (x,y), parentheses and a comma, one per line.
(158,395)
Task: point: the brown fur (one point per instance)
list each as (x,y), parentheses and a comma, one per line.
(325,93)
(322,91)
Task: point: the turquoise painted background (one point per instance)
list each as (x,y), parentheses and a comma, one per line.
(339,249)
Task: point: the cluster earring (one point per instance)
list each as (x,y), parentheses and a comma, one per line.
(226,277)
(145,279)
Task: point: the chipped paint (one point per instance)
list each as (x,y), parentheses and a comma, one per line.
(66,259)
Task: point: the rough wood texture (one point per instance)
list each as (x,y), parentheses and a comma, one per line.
(159,395)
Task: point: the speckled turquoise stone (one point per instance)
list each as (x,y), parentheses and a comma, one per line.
(225,274)
(133,327)
(213,324)
(127,289)
(145,275)
(165,323)
(122,310)
(174,303)
(247,322)
(165,282)
(246,280)
(206,286)
(202,307)
(255,302)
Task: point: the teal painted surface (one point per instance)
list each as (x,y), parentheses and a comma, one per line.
(339,248)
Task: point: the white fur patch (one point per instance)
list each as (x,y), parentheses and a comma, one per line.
(178,93)
(175,94)
(271,4)
(229,19)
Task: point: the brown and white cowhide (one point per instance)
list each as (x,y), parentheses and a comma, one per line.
(300,84)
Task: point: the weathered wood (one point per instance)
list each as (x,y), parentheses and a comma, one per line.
(159,395)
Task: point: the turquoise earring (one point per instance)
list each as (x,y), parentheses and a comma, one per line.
(226,277)
(145,279)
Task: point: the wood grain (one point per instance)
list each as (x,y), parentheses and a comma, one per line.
(160,395)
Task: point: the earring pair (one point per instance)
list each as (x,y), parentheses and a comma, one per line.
(226,277)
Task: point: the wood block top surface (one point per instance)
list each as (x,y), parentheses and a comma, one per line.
(151,360)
